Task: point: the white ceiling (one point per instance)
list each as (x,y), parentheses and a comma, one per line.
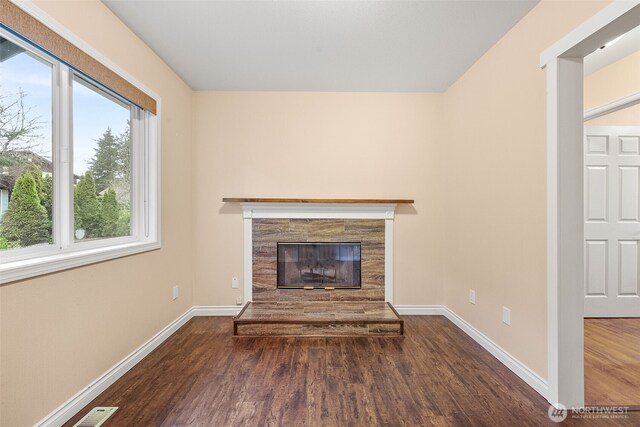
(390,46)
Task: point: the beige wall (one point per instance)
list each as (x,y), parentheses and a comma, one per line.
(364,145)
(495,203)
(61,331)
(629,116)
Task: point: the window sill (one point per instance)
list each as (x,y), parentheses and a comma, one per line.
(24,269)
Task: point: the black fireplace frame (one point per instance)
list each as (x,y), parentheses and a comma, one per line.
(322,285)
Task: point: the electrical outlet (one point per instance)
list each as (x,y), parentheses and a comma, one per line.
(176,292)
(235,282)
(472,296)
(239,300)
(506,316)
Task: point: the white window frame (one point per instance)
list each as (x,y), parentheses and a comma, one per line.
(65,253)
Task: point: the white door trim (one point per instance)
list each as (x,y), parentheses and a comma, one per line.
(252,210)
(565,230)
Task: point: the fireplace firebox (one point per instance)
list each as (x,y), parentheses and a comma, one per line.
(319,265)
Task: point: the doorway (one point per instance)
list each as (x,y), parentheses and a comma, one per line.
(612,255)
(565,202)
(612,223)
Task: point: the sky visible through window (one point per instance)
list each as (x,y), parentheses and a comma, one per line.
(92,112)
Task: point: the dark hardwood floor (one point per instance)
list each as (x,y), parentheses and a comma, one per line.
(612,361)
(433,375)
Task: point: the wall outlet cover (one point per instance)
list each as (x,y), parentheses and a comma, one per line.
(506,316)
(472,296)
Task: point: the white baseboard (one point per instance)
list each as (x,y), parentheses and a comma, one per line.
(72,406)
(421,310)
(216,310)
(68,409)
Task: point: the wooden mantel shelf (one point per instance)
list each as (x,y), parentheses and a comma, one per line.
(278,200)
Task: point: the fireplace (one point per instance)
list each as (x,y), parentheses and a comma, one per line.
(343,248)
(323,265)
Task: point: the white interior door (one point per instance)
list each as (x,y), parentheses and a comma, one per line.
(612,221)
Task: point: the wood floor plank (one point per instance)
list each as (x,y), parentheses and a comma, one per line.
(612,361)
(434,375)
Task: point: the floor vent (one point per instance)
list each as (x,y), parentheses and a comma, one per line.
(96,416)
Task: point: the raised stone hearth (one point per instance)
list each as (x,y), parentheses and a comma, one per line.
(353,309)
(318,319)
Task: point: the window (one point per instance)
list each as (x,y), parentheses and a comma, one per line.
(78,167)
(101,163)
(26,97)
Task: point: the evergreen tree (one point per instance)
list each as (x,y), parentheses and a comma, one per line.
(122,185)
(44,188)
(47,199)
(47,196)
(124,222)
(87,207)
(124,152)
(25,220)
(111,164)
(105,164)
(110,214)
(36,173)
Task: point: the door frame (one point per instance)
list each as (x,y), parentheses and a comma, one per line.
(565,198)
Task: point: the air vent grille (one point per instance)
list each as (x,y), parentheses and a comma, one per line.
(96,416)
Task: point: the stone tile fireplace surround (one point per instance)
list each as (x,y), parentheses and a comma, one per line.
(268,232)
